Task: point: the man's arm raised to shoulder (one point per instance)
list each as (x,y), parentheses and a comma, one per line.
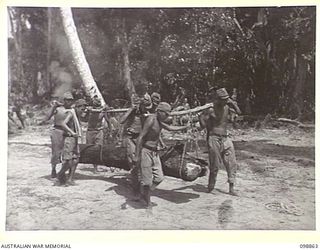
(65,126)
(173,128)
(51,112)
(141,138)
(234,106)
(204,117)
(125,117)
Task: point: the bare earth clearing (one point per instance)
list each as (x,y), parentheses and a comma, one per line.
(275,166)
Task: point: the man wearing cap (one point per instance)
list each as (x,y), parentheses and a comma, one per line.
(58,112)
(156,99)
(80,106)
(220,146)
(71,132)
(97,115)
(146,155)
(133,121)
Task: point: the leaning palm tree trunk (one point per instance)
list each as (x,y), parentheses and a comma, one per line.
(89,84)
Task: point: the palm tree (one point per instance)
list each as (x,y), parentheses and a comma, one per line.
(81,63)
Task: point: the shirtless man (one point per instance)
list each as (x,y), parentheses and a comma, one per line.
(146,156)
(96,115)
(220,146)
(58,112)
(133,120)
(72,131)
(156,99)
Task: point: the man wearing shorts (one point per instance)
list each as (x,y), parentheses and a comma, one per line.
(220,146)
(147,158)
(70,152)
(96,115)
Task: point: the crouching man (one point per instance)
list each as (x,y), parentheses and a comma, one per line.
(146,157)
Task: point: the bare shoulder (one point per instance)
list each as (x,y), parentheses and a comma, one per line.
(207,112)
(150,119)
(210,110)
(60,110)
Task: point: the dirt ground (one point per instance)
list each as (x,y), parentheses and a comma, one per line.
(275,183)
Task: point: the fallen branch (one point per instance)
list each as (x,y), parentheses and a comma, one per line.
(295,122)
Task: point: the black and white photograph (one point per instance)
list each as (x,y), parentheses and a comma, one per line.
(167,118)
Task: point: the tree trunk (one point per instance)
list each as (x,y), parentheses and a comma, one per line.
(126,61)
(115,156)
(81,63)
(300,82)
(48,80)
(14,17)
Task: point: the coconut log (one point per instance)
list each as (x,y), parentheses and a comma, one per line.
(114,155)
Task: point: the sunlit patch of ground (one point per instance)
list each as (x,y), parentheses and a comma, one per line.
(274,166)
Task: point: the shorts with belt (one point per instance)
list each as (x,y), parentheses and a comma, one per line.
(150,167)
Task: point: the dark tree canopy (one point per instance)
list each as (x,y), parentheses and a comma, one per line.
(266,53)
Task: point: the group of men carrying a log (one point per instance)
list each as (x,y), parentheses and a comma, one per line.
(142,123)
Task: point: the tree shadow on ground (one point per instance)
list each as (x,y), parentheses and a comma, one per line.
(266,148)
(195,187)
(201,189)
(276,150)
(174,196)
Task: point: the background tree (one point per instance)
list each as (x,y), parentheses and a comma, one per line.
(267,53)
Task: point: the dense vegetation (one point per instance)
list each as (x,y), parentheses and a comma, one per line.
(267,54)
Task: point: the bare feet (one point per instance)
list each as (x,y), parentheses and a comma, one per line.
(53,173)
(210,189)
(231,190)
(233,193)
(70,183)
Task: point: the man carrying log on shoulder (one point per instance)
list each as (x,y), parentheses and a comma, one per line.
(133,121)
(96,115)
(146,156)
(220,146)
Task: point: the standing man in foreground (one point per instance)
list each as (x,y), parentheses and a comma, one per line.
(95,134)
(58,112)
(146,157)
(220,146)
(72,131)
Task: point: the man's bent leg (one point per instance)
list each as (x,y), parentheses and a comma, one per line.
(53,171)
(156,171)
(146,177)
(135,184)
(98,140)
(74,164)
(229,160)
(57,141)
(214,161)
(62,173)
